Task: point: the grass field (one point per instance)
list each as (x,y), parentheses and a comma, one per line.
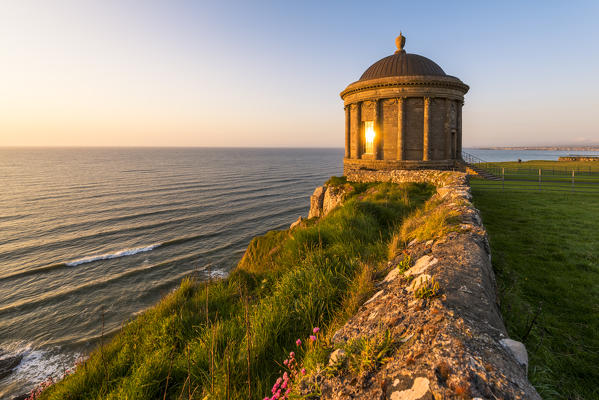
(227,339)
(545,248)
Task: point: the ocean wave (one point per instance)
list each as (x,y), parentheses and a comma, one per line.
(50,297)
(35,366)
(122,253)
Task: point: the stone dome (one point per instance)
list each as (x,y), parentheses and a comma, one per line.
(402,64)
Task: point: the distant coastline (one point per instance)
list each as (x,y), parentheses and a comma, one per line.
(548,148)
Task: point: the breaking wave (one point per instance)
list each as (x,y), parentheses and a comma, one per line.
(122,253)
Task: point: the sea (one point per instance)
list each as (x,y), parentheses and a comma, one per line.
(91,237)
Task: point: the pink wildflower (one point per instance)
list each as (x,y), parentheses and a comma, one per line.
(316,330)
(298,342)
(312,338)
(303,371)
(292,354)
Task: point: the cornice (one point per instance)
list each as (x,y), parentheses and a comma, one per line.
(448,82)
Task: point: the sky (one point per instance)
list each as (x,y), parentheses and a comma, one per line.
(269,74)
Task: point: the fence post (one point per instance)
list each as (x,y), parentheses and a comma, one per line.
(572,179)
(503,178)
(539,179)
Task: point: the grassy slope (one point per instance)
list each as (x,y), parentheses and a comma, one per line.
(545,248)
(196,338)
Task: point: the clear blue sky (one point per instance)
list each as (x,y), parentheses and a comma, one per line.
(252,73)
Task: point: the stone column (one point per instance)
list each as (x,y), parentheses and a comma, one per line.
(347,131)
(447,130)
(358,130)
(400,128)
(353,132)
(378,131)
(353,151)
(459,131)
(425,141)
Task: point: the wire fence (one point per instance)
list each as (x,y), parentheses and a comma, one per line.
(576,171)
(574,178)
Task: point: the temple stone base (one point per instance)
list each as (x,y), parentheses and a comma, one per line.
(353,165)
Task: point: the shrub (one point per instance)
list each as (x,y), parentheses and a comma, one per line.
(336,181)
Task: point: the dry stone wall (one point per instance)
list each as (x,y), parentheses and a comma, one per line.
(578,158)
(451,345)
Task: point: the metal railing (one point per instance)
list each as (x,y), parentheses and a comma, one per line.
(472,159)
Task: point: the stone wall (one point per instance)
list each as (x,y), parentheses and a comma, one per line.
(436,177)
(351,165)
(578,158)
(451,345)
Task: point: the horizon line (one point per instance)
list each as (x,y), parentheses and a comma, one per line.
(479,147)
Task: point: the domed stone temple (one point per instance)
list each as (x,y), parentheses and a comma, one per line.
(403,113)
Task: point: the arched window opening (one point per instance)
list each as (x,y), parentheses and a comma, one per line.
(369,135)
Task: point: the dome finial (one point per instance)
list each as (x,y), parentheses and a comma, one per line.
(400,42)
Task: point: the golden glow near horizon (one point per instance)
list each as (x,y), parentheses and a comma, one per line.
(369,134)
(103,74)
(121,73)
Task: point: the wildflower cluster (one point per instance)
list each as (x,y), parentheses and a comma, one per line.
(282,387)
(37,392)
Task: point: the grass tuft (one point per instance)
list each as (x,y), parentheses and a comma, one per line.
(433,221)
(365,354)
(427,290)
(405,264)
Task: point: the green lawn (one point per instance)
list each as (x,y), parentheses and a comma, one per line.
(545,248)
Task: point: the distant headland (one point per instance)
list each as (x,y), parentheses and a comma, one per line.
(593,147)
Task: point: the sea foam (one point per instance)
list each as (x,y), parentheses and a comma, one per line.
(122,253)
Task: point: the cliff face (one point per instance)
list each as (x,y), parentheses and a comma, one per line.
(326,198)
(438,305)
